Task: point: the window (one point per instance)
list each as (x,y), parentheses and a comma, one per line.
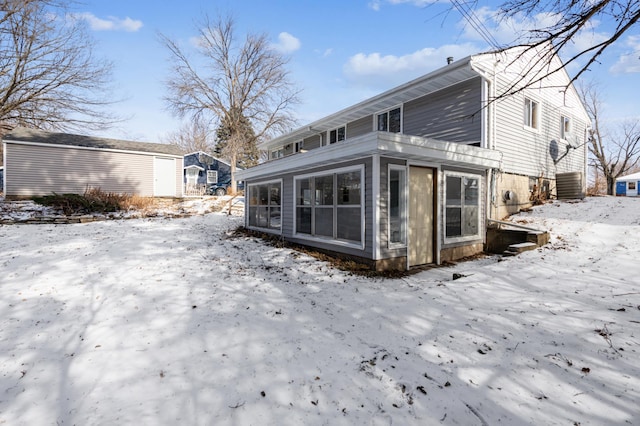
(337,135)
(462,211)
(330,205)
(390,121)
(277,153)
(531,113)
(299,146)
(632,186)
(212,176)
(265,205)
(397,206)
(565,127)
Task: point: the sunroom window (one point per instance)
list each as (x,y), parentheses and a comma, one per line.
(330,205)
(265,205)
(462,211)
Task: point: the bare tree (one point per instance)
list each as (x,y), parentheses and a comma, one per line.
(567,18)
(231,81)
(614,154)
(193,136)
(49,76)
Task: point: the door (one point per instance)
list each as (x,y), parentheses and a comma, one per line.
(164,177)
(421,216)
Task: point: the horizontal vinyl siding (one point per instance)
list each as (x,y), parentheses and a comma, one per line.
(452,114)
(527,152)
(312,142)
(41,170)
(360,127)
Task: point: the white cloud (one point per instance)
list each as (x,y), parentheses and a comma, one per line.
(374,5)
(628,62)
(379,71)
(287,43)
(112,23)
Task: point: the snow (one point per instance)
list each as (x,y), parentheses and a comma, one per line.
(173,321)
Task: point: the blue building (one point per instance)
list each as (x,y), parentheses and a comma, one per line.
(205,174)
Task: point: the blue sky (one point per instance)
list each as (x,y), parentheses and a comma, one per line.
(341,51)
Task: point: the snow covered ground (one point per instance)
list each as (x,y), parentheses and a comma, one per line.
(169,321)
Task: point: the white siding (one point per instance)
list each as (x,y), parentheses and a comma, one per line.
(528,152)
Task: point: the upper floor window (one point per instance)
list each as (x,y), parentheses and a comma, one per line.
(390,121)
(531,113)
(277,153)
(565,127)
(337,135)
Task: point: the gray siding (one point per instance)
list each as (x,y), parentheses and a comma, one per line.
(452,114)
(40,170)
(312,143)
(360,127)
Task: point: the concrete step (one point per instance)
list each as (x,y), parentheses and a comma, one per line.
(518,248)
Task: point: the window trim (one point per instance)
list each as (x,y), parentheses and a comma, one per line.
(462,238)
(212,172)
(328,134)
(248,206)
(403,209)
(330,240)
(387,111)
(566,125)
(531,117)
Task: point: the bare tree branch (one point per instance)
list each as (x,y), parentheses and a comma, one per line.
(234,83)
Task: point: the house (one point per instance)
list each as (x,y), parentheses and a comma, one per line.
(204,174)
(40,163)
(2,179)
(412,176)
(628,185)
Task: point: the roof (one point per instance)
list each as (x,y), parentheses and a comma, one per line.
(634,176)
(22,134)
(441,78)
(208,155)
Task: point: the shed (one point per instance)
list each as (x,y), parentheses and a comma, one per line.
(39,163)
(628,185)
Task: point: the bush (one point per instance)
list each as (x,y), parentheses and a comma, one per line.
(94,200)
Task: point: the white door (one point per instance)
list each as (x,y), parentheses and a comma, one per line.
(164,177)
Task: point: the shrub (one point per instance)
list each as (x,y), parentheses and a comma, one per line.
(94,200)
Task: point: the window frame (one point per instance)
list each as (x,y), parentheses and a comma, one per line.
(532,114)
(336,206)
(214,173)
(565,127)
(337,129)
(376,119)
(269,184)
(403,206)
(462,238)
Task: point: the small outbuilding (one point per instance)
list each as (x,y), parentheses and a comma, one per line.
(628,185)
(40,163)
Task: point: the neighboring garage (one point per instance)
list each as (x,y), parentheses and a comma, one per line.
(40,163)
(628,185)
